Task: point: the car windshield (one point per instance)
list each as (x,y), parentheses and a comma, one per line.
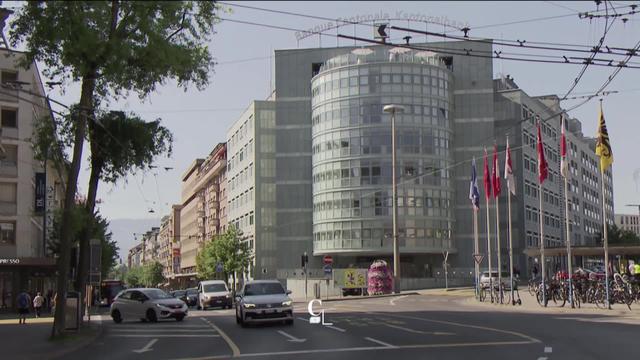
(263,289)
(214,288)
(192,291)
(157,294)
(178,293)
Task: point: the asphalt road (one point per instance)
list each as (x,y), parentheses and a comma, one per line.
(407,327)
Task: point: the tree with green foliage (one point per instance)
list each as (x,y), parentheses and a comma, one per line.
(134,277)
(111,48)
(618,236)
(227,249)
(120,144)
(152,274)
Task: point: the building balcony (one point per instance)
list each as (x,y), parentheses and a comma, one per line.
(9,95)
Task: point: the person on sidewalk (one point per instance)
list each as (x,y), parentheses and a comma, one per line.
(38,301)
(23,306)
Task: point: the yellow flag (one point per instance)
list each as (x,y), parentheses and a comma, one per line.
(603,146)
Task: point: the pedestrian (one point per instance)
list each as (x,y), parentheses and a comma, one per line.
(23,306)
(38,301)
(535,271)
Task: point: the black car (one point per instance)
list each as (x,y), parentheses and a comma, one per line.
(191,297)
(179,294)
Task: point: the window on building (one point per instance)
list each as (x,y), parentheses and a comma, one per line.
(8,193)
(9,118)
(8,77)
(7,233)
(11,156)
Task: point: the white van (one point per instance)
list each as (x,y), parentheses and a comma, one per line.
(214,293)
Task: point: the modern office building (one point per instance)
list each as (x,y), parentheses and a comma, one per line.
(628,222)
(29,193)
(516,115)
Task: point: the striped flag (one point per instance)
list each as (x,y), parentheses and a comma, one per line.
(603,146)
(564,167)
(495,173)
(487,177)
(474,194)
(543,167)
(508,171)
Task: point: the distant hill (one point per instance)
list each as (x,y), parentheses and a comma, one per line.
(123,230)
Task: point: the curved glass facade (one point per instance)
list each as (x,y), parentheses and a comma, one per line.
(351,161)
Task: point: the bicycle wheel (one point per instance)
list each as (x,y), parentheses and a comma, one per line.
(483,294)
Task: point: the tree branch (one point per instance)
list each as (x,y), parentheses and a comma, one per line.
(184,15)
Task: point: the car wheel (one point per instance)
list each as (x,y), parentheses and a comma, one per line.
(179,318)
(151,316)
(242,322)
(117,318)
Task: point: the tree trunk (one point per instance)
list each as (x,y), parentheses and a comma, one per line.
(96,169)
(234,283)
(86,106)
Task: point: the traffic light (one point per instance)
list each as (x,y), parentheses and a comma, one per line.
(304,259)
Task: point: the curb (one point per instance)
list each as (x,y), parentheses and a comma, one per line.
(365,297)
(69,348)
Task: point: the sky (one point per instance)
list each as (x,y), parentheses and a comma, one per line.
(199,119)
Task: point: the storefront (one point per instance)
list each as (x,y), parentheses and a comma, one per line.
(30,274)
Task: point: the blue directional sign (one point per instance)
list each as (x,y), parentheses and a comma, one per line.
(219,267)
(328,270)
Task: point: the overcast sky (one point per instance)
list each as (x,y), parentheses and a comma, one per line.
(199,120)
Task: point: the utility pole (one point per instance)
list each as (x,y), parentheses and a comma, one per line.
(396,249)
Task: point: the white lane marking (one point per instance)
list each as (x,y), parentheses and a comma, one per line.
(542,358)
(548,350)
(327,326)
(379,342)
(393,301)
(146,347)
(208,330)
(418,331)
(291,337)
(234,348)
(367,348)
(163,335)
(158,326)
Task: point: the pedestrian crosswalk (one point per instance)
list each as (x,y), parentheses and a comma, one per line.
(161,330)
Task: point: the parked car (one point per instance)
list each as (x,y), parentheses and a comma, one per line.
(179,294)
(191,296)
(485,279)
(263,301)
(147,304)
(213,293)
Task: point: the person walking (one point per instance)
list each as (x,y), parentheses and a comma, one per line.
(23,306)
(38,301)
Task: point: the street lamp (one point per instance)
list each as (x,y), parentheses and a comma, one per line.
(393,109)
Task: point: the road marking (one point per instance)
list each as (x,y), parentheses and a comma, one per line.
(542,358)
(234,348)
(380,342)
(164,330)
(367,348)
(548,350)
(418,331)
(163,335)
(146,347)
(291,337)
(393,301)
(159,326)
(328,326)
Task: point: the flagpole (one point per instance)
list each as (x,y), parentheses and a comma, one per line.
(565,173)
(509,223)
(476,249)
(606,243)
(489,250)
(543,273)
(498,247)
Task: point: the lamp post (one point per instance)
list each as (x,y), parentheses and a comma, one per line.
(393,109)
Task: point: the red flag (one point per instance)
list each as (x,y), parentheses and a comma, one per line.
(487,177)
(508,171)
(563,151)
(543,169)
(495,173)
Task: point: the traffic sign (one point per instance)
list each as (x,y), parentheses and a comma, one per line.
(478,258)
(380,31)
(328,269)
(219,267)
(327,259)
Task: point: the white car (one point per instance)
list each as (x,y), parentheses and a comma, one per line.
(147,305)
(264,301)
(213,293)
(485,280)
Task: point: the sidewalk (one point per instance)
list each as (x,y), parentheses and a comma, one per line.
(356,297)
(31,340)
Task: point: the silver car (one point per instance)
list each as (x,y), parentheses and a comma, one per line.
(147,304)
(263,301)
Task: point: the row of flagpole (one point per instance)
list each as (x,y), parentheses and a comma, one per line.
(492,187)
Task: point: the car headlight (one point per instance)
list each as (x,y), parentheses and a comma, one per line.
(249,306)
(206,297)
(227,296)
(161,306)
(287,303)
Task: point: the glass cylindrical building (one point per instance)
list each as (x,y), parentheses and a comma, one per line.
(351,157)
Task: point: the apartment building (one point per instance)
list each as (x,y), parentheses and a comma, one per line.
(29,192)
